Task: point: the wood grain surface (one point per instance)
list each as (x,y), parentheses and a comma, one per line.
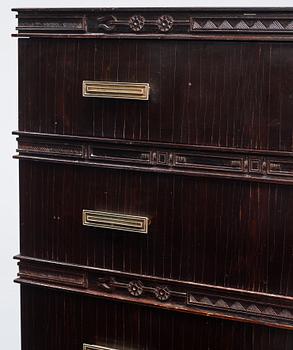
(53,320)
(219,94)
(207,159)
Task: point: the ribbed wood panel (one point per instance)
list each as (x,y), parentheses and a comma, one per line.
(207,159)
(209,93)
(228,233)
(55,320)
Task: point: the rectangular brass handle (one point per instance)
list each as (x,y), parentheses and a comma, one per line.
(118,90)
(95,347)
(115,221)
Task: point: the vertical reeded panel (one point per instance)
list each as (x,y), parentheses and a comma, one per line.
(219,81)
(68,320)
(203,230)
(212,93)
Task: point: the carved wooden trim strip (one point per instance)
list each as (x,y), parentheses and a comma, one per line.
(69,24)
(251,24)
(236,306)
(126,142)
(159,158)
(56,275)
(280,167)
(50,148)
(128,154)
(242,23)
(209,300)
(209,162)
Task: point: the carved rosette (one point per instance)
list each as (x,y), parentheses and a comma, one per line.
(165,23)
(136,23)
(135,288)
(162,293)
(242,305)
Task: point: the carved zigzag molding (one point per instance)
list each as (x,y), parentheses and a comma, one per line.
(209,300)
(151,22)
(235,305)
(242,25)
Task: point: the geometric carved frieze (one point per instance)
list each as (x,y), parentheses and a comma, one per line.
(154,157)
(242,306)
(244,24)
(209,300)
(138,22)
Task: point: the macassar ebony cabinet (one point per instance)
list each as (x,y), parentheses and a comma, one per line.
(155,152)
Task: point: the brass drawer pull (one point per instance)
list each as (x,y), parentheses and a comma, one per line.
(119,90)
(115,221)
(95,347)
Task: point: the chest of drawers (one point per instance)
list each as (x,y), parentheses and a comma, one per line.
(156,173)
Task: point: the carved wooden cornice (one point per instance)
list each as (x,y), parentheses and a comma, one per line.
(191,23)
(208,300)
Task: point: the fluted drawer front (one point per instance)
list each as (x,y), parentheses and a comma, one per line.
(202,229)
(219,94)
(73,320)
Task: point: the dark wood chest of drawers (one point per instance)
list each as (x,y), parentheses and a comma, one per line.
(156,179)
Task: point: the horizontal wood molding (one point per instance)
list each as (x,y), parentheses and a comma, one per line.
(271,167)
(191,23)
(202,299)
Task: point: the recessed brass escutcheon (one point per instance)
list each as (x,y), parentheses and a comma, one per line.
(95,347)
(118,90)
(115,221)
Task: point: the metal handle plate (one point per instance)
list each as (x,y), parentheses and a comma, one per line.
(115,221)
(118,90)
(95,347)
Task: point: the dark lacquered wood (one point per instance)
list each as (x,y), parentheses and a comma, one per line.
(225,233)
(180,159)
(222,94)
(250,24)
(48,323)
(176,295)
(208,159)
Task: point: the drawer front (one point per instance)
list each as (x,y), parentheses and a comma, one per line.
(56,320)
(219,94)
(199,229)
